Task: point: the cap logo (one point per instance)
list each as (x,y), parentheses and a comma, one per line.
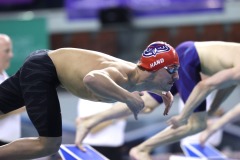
(155,49)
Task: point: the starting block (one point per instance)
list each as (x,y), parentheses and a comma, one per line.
(194,151)
(72,152)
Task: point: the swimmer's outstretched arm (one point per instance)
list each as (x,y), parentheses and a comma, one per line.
(107,84)
(220,80)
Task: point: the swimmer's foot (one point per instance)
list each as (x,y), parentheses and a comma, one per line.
(139,154)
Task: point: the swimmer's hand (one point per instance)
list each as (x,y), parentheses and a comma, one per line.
(177,121)
(135,103)
(167,98)
(82,129)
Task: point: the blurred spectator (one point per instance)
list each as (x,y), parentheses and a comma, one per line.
(10,127)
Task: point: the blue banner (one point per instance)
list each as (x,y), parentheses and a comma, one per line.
(89,8)
(163,7)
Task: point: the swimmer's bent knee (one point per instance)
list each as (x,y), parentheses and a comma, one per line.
(50,145)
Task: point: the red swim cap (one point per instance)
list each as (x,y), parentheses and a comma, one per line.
(158,55)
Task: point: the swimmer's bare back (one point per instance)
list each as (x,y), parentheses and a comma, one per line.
(73,65)
(216,55)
